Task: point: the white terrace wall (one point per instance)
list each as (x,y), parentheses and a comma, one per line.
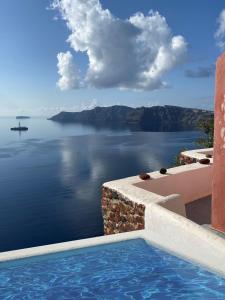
(124,202)
(184,237)
(163,217)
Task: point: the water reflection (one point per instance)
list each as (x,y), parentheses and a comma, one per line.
(51,184)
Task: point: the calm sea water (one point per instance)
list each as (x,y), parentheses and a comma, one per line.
(51,176)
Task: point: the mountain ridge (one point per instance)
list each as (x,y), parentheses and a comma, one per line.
(155,118)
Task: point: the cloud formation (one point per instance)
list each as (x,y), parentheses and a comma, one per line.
(69,74)
(127,54)
(220,33)
(201,72)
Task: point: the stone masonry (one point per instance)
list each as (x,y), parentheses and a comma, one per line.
(120,214)
(186,160)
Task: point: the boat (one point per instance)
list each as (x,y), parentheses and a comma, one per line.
(19,128)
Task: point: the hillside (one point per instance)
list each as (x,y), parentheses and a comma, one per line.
(156,118)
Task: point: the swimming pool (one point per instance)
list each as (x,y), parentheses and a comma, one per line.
(124,270)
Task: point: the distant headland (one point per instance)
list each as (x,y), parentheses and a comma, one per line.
(22,117)
(156,118)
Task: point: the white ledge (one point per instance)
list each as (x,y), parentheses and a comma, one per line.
(67,246)
(128,189)
(198,153)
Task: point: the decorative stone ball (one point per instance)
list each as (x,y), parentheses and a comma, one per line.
(208,155)
(144,176)
(163,171)
(204,161)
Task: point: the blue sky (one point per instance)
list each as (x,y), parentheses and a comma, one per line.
(32,36)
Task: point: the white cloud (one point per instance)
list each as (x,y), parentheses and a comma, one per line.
(220,33)
(128,54)
(67,70)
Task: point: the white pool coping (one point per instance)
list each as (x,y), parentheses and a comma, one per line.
(146,235)
(67,246)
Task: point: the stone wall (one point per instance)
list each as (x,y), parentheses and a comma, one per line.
(186,160)
(120,214)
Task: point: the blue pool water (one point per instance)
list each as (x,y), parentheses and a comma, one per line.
(125,270)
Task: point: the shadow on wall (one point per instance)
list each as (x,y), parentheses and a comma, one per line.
(199,211)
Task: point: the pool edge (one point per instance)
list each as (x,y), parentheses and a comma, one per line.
(71,245)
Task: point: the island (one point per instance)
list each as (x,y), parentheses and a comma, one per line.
(155,118)
(22,117)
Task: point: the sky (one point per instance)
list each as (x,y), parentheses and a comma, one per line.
(72,54)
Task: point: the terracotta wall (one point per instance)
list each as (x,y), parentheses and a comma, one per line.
(218,194)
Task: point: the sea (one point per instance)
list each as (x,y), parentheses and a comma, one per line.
(51,176)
